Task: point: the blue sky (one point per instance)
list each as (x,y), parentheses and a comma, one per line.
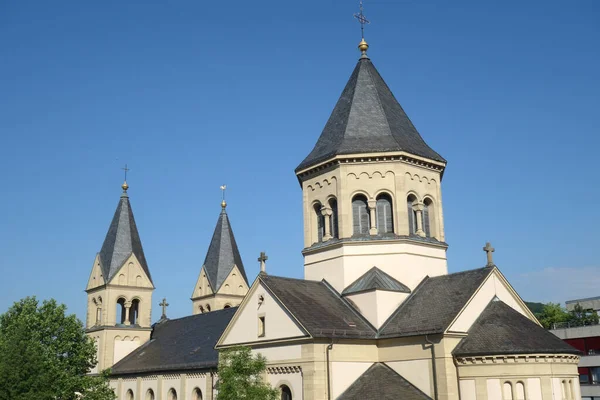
(194,94)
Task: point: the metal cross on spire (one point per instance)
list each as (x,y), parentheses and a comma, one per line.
(125,169)
(362,19)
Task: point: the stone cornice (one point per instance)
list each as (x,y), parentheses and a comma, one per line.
(374,240)
(518,359)
(371,158)
(292,369)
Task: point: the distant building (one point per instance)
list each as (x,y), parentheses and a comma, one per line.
(587,340)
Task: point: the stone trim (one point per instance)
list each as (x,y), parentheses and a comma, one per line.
(519,359)
(284,370)
(197,375)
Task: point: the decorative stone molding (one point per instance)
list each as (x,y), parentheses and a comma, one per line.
(197,375)
(284,370)
(519,359)
(172,376)
(149,378)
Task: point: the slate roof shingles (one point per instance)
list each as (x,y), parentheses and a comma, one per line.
(367,118)
(375,279)
(502,330)
(179,344)
(380,382)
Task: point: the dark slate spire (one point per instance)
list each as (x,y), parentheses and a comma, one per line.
(222,253)
(122,240)
(367,119)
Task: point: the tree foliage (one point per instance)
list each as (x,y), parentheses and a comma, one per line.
(553,315)
(45,354)
(241,376)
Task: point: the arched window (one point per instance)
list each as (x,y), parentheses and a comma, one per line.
(412,214)
(120,311)
(129,395)
(150,394)
(172,394)
(507,391)
(196,394)
(385,217)
(201,309)
(208,308)
(286,393)
(428,218)
(520,391)
(134,311)
(320,222)
(333,221)
(360,215)
(227,306)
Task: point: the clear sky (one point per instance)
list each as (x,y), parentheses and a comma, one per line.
(194,94)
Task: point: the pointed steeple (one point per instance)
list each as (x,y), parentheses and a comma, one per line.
(122,240)
(223,253)
(367,119)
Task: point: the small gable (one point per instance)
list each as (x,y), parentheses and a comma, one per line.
(202,287)
(96,277)
(261,318)
(375,279)
(234,284)
(131,274)
(500,329)
(380,382)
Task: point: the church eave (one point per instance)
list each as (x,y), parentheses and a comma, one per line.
(378,239)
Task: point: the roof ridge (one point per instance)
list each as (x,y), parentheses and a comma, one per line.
(397,311)
(198,315)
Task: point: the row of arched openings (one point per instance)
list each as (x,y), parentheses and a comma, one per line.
(513,393)
(121,312)
(321,220)
(171,394)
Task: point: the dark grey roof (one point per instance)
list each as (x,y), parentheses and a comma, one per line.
(366,119)
(434,304)
(375,279)
(121,241)
(222,254)
(380,382)
(319,308)
(179,344)
(502,330)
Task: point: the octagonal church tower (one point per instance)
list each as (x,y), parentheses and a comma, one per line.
(372,198)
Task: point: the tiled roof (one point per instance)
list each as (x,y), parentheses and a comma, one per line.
(319,308)
(121,241)
(434,304)
(222,254)
(375,279)
(502,330)
(367,119)
(380,382)
(179,344)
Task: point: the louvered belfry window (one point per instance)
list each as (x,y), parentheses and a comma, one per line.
(385,218)
(320,222)
(333,221)
(360,215)
(412,215)
(426,224)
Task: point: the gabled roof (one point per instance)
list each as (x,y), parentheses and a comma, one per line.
(122,240)
(375,279)
(179,344)
(380,382)
(319,308)
(222,254)
(434,304)
(367,119)
(502,330)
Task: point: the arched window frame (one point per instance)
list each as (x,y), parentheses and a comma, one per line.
(520,392)
(120,311)
(150,394)
(319,219)
(361,217)
(411,199)
(286,392)
(134,311)
(334,228)
(129,395)
(385,213)
(429,218)
(172,394)
(196,394)
(507,391)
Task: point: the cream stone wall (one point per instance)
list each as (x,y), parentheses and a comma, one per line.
(405,260)
(495,286)
(377,305)
(259,303)
(230,294)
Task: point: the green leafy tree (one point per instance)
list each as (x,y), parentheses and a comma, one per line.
(241,376)
(581,316)
(552,313)
(45,355)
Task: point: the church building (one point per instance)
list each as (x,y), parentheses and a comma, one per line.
(377,315)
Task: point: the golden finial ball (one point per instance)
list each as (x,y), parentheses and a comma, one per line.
(363,46)
(125,186)
(223,204)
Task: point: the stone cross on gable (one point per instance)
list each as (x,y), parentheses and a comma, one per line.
(262,260)
(164,306)
(490,258)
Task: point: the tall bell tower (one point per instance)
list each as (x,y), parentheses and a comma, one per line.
(119,290)
(372,194)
